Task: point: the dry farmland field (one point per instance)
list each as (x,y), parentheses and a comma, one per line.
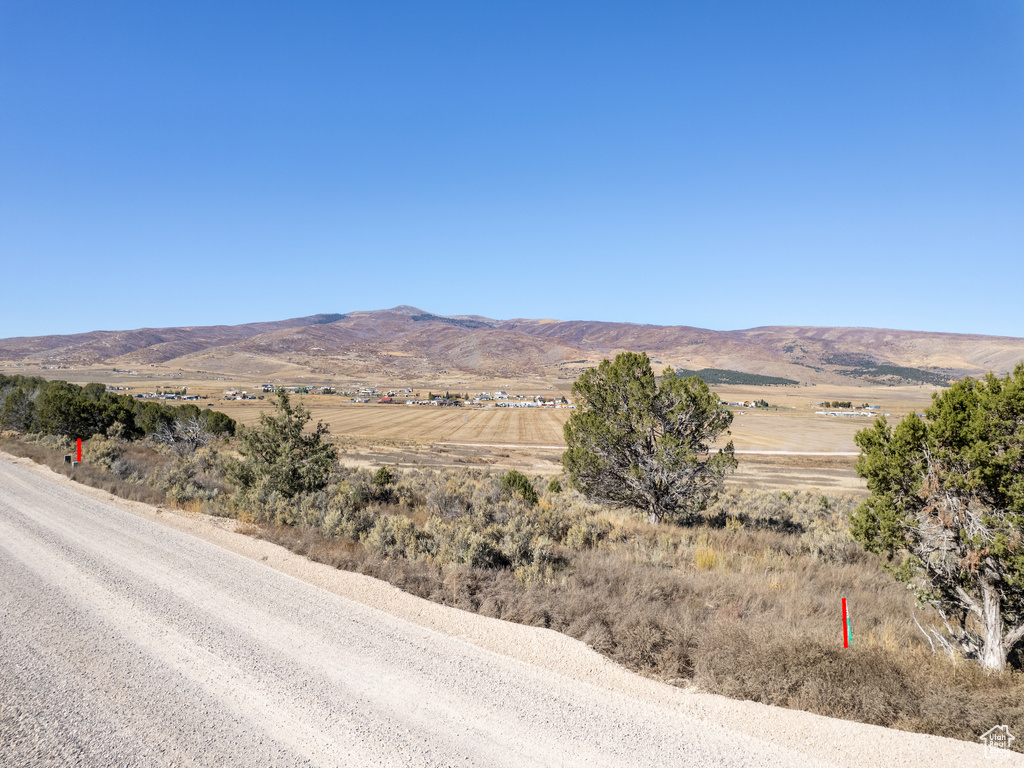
(791,424)
(784,447)
(515,426)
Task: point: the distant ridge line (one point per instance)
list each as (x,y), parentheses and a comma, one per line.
(406,343)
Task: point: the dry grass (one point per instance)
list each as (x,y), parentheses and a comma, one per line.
(793,426)
(133,470)
(518,426)
(772,637)
(745,602)
(752,429)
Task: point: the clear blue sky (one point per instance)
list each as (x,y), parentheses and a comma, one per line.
(717,164)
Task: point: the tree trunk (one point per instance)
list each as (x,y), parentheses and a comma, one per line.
(993,655)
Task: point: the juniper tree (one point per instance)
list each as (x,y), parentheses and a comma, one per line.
(518,484)
(947,511)
(19,410)
(280,456)
(634,443)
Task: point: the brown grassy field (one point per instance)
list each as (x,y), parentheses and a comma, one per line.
(753,430)
(790,425)
(531,439)
(517,426)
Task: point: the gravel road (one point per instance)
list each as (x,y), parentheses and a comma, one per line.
(136,636)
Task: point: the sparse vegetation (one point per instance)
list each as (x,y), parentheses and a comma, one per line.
(140,470)
(462,322)
(742,600)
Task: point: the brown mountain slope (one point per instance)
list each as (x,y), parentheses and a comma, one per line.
(912,348)
(149,344)
(394,340)
(409,342)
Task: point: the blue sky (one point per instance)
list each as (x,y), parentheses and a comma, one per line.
(716,164)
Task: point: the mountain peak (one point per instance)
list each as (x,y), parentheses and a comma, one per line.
(408,342)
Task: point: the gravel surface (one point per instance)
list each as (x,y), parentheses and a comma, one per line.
(138,636)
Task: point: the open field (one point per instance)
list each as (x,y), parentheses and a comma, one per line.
(771,443)
(756,471)
(792,426)
(518,426)
(753,430)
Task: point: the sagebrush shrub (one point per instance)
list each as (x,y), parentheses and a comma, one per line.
(102,451)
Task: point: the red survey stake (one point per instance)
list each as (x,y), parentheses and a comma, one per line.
(847,629)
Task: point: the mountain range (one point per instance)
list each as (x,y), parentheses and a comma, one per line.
(410,343)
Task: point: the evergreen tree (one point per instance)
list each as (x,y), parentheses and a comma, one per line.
(19,411)
(519,484)
(279,456)
(947,510)
(631,442)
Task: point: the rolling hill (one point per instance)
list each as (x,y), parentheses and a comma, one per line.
(411,343)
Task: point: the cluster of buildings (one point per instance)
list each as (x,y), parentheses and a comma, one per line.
(396,396)
(440,402)
(298,390)
(540,402)
(870,411)
(501,400)
(164,395)
(234,394)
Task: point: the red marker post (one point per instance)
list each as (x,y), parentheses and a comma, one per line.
(847,629)
(80,459)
